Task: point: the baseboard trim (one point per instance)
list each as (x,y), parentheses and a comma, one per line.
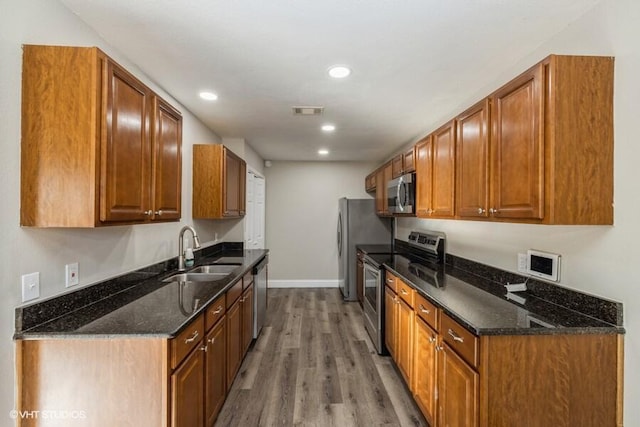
(303,283)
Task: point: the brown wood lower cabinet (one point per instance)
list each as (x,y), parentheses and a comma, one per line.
(187,392)
(247,318)
(425,369)
(215,372)
(457,390)
(178,382)
(234,341)
(462,380)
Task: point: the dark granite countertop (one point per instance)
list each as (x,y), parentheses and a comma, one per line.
(483,307)
(151,308)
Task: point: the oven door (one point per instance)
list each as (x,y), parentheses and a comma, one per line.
(372,305)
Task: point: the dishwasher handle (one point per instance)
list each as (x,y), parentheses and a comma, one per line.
(260,265)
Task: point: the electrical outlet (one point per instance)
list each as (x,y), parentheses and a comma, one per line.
(30,286)
(522,263)
(71,274)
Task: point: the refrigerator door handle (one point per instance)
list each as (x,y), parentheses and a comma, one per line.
(339,236)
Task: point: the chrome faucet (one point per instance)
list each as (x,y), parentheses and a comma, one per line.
(196,244)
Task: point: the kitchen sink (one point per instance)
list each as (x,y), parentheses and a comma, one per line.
(196,277)
(214,269)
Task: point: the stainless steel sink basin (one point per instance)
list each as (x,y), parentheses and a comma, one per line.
(215,269)
(196,277)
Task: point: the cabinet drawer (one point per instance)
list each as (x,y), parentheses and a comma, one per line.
(234,293)
(186,341)
(405,292)
(215,312)
(462,341)
(391,281)
(247,280)
(427,311)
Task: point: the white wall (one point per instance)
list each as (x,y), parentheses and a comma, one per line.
(595,259)
(302,214)
(101,253)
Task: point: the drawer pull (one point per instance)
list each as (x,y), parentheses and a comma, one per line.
(424,310)
(218,310)
(212,340)
(389,280)
(203,348)
(404,292)
(192,338)
(432,339)
(455,336)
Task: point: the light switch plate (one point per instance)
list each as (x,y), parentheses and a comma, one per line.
(30,286)
(71,274)
(522,263)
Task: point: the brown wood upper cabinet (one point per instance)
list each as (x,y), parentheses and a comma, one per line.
(383,176)
(435,174)
(472,161)
(540,149)
(403,163)
(98,146)
(219,179)
(370,182)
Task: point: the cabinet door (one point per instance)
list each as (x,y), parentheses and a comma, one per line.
(242,193)
(444,171)
(425,370)
(215,371)
(381,189)
(390,322)
(457,391)
(472,162)
(517,148)
(126,150)
(187,392)
(247,318)
(397,166)
(231,184)
(234,341)
(404,354)
(423,177)
(360,281)
(409,161)
(167,162)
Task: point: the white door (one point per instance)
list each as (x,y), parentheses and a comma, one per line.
(255,211)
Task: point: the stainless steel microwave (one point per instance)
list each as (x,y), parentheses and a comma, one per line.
(401,194)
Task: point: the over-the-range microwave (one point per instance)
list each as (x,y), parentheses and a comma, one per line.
(401,194)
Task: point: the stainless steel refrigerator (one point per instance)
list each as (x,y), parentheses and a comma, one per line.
(358,224)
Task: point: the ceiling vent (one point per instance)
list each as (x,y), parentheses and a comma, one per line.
(307,111)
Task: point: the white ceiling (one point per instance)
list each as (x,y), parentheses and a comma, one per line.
(412,62)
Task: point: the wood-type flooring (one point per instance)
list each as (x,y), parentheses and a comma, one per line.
(314,365)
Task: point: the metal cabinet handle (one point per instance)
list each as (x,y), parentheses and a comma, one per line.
(148,213)
(424,310)
(455,336)
(494,211)
(432,339)
(389,280)
(159,212)
(218,310)
(203,348)
(192,338)
(439,348)
(404,292)
(481,211)
(212,340)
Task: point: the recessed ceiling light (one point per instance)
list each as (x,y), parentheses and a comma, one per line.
(323,151)
(339,71)
(208,96)
(328,128)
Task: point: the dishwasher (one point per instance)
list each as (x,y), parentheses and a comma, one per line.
(260,273)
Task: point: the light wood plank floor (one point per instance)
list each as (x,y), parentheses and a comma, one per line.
(314,365)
